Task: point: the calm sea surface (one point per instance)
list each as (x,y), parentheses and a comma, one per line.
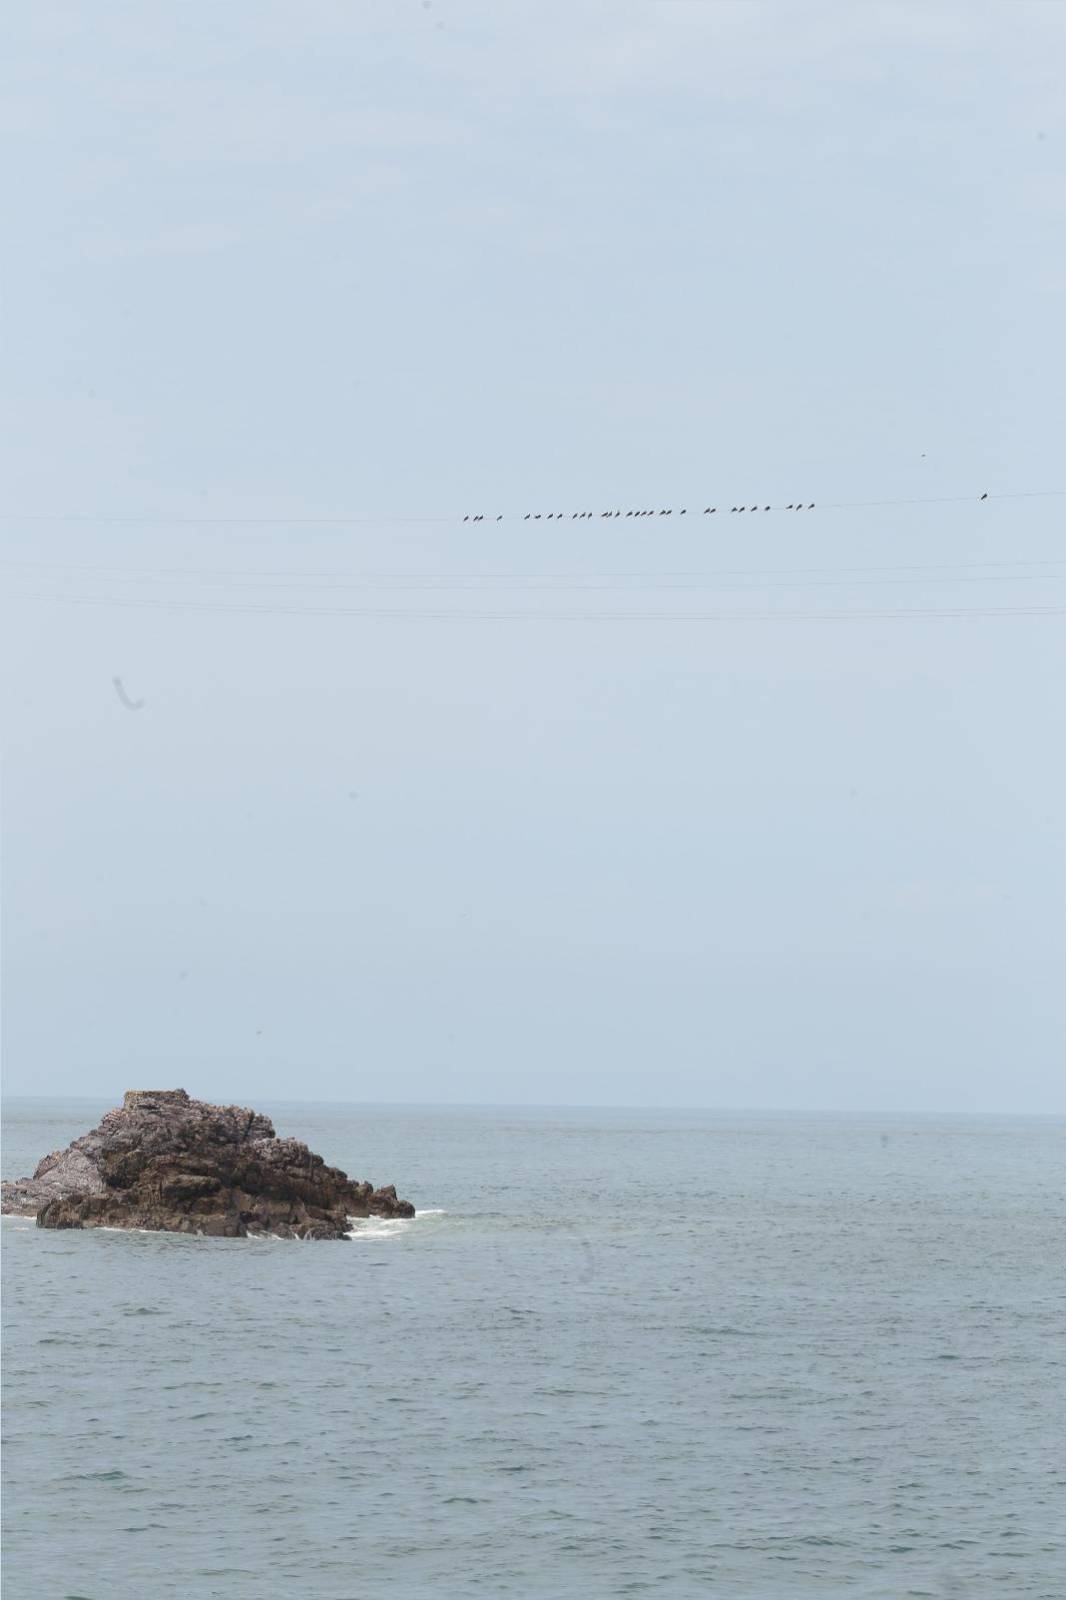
(622,1353)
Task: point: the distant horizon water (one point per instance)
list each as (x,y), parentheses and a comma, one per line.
(707,1108)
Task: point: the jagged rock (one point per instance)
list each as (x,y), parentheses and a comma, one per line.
(168,1163)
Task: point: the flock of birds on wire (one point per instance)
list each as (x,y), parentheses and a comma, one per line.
(708,511)
(578,516)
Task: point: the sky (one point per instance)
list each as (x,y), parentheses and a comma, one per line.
(671,811)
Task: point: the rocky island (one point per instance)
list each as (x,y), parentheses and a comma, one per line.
(171,1164)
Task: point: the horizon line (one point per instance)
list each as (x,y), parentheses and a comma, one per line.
(560,1105)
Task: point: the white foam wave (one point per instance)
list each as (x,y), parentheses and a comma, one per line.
(368,1229)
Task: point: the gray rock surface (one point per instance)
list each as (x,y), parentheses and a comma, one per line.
(166,1162)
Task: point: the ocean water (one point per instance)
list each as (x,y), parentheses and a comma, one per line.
(621,1353)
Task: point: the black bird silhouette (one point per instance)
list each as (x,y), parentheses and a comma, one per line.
(131,705)
(811,506)
(499,519)
(984,497)
(536,516)
(466,519)
(684,513)
(766,508)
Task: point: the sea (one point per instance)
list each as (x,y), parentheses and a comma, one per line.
(616,1353)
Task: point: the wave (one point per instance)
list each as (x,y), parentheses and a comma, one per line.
(370,1229)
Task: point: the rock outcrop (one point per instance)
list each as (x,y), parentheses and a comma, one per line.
(171,1164)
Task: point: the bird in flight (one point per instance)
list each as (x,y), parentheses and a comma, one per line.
(131,705)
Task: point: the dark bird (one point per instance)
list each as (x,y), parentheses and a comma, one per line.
(536,516)
(131,705)
(466,519)
(984,496)
(811,506)
(789,507)
(684,513)
(766,508)
(629,513)
(527,516)
(499,519)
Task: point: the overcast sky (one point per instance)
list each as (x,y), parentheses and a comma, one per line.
(635,844)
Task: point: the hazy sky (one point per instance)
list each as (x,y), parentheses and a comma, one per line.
(408,260)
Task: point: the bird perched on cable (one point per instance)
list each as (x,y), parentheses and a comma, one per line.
(811,506)
(984,496)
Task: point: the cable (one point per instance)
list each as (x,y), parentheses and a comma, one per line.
(382,613)
(939,571)
(710,507)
